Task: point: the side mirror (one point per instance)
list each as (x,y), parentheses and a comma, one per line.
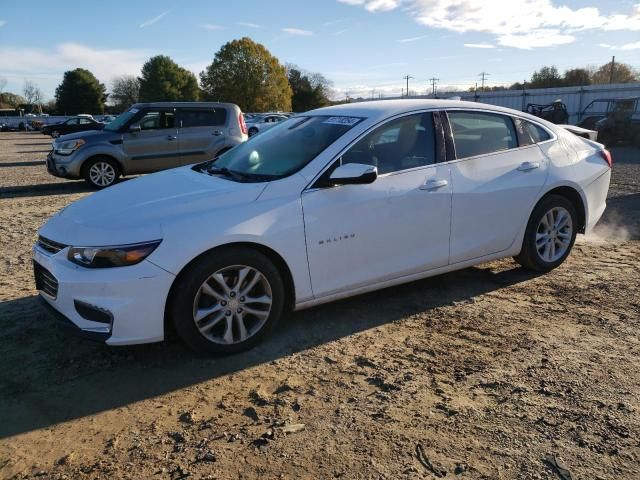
(354,174)
(135,128)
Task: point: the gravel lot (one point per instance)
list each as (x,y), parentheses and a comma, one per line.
(490,372)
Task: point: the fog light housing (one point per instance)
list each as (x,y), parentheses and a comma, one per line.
(93,313)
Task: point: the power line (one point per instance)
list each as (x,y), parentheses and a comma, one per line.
(407,77)
(434,81)
(483,75)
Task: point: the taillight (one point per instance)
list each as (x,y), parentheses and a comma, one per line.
(606,154)
(243,126)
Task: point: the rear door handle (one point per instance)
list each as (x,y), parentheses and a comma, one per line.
(434,184)
(526,166)
(172,137)
(217,133)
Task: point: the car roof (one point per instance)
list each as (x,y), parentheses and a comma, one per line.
(387,108)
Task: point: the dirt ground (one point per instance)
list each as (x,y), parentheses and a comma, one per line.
(487,373)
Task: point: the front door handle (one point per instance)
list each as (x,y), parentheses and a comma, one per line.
(172,137)
(217,133)
(434,184)
(526,166)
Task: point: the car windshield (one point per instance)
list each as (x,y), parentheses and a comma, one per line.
(121,120)
(283,149)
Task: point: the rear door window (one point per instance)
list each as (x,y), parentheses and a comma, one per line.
(480,133)
(213,117)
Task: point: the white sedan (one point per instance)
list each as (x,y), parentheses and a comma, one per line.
(262,123)
(333,203)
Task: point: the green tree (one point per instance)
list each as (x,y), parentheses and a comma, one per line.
(125,91)
(309,90)
(546,77)
(576,77)
(163,79)
(245,73)
(80,92)
(622,73)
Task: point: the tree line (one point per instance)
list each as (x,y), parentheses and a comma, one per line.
(550,77)
(242,72)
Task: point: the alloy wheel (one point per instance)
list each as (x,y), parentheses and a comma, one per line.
(102,174)
(554,234)
(232,305)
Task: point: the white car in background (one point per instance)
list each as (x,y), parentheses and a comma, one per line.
(262,123)
(336,202)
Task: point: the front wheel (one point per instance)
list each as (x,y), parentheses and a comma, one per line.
(227,301)
(550,234)
(101,172)
(55,134)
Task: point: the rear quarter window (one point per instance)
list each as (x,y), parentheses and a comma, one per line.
(214,117)
(529,133)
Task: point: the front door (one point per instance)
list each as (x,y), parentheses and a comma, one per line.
(398,225)
(155,146)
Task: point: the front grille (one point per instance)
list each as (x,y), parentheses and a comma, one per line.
(45,281)
(49,245)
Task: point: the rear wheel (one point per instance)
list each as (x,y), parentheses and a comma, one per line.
(101,172)
(55,134)
(227,301)
(550,234)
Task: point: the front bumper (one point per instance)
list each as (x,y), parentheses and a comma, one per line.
(62,166)
(133,296)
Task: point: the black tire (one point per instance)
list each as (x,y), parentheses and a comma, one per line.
(87,172)
(187,287)
(253,131)
(55,134)
(529,256)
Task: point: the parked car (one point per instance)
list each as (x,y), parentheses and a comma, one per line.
(72,125)
(108,119)
(345,200)
(147,138)
(261,123)
(615,119)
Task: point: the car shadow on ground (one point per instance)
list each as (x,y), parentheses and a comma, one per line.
(50,377)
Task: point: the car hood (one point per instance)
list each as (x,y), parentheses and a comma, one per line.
(91,135)
(136,210)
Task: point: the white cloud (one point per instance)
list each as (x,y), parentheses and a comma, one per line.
(297,32)
(479,45)
(626,46)
(153,20)
(545,22)
(374,5)
(411,39)
(340,32)
(211,26)
(3,23)
(249,25)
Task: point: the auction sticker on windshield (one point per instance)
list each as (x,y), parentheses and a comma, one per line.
(348,121)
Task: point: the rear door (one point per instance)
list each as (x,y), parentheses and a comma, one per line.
(495,178)
(202,133)
(155,146)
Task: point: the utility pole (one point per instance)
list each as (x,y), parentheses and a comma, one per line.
(483,76)
(407,77)
(613,63)
(433,81)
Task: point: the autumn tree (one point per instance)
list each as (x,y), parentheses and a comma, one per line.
(546,77)
(125,91)
(576,77)
(245,73)
(309,90)
(163,79)
(622,73)
(80,92)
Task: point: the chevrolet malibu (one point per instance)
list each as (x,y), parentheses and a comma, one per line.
(332,203)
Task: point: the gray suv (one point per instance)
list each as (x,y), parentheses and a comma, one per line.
(147,138)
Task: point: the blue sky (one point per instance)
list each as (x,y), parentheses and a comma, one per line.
(363,46)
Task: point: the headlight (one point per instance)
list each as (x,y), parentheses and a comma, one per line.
(68,147)
(107,257)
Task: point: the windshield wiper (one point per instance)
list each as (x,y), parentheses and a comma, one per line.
(212,170)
